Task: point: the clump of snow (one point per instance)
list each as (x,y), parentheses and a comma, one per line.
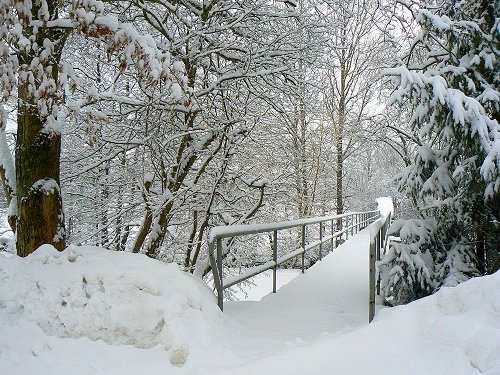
(46,186)
(119,298)
(176,91)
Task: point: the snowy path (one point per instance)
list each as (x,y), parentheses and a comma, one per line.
(331,297)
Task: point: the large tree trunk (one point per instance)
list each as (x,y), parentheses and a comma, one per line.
(40,217)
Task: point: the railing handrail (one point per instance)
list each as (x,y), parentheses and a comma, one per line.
(226,231)
(217,234)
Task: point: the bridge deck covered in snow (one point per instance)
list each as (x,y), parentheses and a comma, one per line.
(329,298)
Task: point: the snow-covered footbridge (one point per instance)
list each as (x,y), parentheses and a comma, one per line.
(331,296)
(341,284)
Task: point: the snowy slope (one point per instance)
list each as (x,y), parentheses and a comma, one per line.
(456,331)
(314,325)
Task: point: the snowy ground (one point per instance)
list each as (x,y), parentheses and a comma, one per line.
(262,284)
(89,311)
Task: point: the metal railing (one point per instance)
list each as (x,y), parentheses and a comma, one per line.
(378,243)
(339,225)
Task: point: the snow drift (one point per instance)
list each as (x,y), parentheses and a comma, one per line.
(120,298)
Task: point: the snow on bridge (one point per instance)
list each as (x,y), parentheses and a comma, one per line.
(335,295)
(330,297)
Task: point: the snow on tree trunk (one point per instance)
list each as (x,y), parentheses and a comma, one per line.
(38,146)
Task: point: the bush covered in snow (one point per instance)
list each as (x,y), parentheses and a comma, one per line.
(120,298)
(407,269)
(423,257)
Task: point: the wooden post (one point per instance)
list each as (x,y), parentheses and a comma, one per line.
(275,258)
(303,246)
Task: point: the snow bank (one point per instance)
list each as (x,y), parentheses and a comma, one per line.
(314,325)
(120,298)
(455,331)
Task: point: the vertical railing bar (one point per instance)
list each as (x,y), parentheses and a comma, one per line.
(220,296)
(339,228)
(371,298)
(303,246)
(377,256)
(213,264)
(321,241)
(333,231)
(275,258)
(347,228)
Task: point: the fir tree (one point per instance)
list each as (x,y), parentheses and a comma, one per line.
(453,95)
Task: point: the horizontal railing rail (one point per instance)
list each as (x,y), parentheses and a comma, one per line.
(339,225)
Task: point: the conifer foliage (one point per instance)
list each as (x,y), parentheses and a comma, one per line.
(450,83)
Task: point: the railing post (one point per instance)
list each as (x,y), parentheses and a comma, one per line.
(220,291)
(371,298)
(303,246)
(321,241)
(346,228)
(275,258)
(215,269)
(353,224)
(377,253)
(339,229)
(333,231)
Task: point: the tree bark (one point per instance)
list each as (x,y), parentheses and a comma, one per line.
(40,216)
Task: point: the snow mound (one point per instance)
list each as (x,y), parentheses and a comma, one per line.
(455,331)
(120,298)
(463,320)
